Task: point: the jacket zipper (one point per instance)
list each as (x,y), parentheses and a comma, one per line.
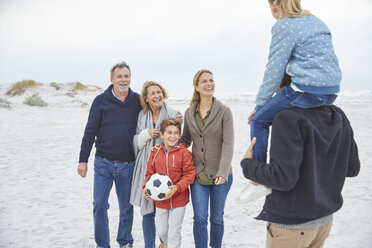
(166,162)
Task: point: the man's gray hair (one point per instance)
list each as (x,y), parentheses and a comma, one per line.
(120,65)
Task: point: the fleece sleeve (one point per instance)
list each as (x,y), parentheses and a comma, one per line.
(286,155)
(90,132)
(353,163)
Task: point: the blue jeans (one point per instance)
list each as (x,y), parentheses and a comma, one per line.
(105,173)
(200,195)
(284,99)
(149,230)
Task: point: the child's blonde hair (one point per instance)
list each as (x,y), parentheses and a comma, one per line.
(291,8)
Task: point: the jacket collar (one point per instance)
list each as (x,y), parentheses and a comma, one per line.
(108,93)
(171,149)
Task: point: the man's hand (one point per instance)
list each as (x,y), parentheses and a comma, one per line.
(249,152)
(82,169)
(173,189)
(154,133)
(219,180)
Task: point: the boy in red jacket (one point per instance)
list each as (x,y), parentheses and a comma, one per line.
(175,161)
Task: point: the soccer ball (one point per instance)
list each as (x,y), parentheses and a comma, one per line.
(157,186)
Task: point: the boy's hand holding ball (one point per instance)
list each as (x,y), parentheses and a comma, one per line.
(173,189)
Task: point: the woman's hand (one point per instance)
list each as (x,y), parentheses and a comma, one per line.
(180,117)
(251,115)
(219,180)
(154,133)
(173,189)
(147,197)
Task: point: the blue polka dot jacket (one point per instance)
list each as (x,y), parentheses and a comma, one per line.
(301,47)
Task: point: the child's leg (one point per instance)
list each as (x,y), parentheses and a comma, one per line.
(263,119)
(161,221)
(175,224)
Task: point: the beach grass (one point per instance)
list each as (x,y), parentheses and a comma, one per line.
(20,87)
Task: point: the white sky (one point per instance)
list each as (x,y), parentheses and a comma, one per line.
(166,41)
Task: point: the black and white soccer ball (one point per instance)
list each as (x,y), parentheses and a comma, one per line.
(157,186)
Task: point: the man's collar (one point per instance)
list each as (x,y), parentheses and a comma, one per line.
(129,94)
(112,90)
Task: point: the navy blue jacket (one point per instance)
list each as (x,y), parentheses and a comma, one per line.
(312,151)
(111,126)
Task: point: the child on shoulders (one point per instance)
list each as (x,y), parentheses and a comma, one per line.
(301,47)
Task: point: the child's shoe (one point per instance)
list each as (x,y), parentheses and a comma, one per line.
(252,192)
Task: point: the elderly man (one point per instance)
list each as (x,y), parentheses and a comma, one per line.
(312,152)
(111,126)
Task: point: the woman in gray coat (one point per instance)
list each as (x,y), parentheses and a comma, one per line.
(148,135)
(209,127)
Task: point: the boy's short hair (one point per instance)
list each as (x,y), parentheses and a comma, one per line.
(170,122)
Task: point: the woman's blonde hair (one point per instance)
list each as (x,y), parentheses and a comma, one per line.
(291,8)
(196,95)
(145,105)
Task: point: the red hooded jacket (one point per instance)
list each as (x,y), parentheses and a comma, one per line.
(178,165)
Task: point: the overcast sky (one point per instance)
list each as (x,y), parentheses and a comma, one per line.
(167,41)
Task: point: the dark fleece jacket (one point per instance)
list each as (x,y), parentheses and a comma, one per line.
(312,151)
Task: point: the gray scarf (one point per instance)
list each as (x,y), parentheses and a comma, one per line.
(142,156)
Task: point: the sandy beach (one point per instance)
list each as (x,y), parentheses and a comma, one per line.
(44,203)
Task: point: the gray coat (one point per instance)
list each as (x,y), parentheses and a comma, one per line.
(213,147)
(142,152)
